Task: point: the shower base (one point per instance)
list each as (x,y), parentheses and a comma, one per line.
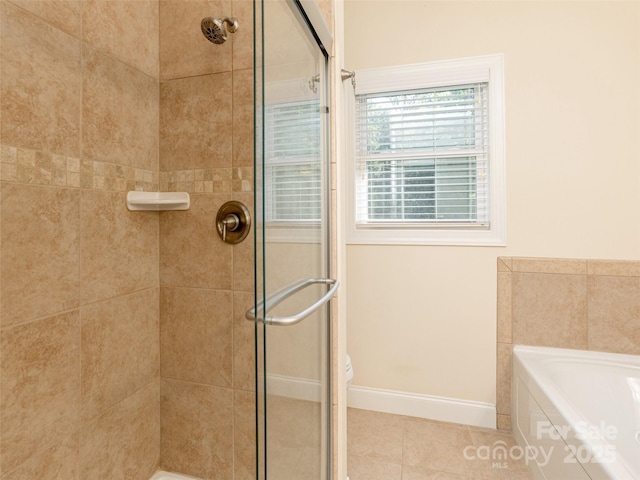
(171,476)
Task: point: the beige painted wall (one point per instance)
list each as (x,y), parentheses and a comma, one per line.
(422,319)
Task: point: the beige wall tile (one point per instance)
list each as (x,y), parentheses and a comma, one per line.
(374,435)
(120,249)
(242,178)
(503,378)
(58,461)
(244,435)
(39,85)
(567,266)
(126,30)
(119,112)
(191,252)
(614,314)
(243,132)
(184,51)
(40,251)
(243,39)
(34,167)
(37,168)
(124,441)
(218,180)
(197,429)
(243,343)
(504,307)
(62,14)
(503,422)
(120,349)
(39,395)
(505,264)
(621,268)
(244,252)
(196,122)
(196,334)
(550,310)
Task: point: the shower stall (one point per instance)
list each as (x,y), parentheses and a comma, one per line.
(125,346)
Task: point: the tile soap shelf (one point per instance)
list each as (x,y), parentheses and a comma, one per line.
(156,201)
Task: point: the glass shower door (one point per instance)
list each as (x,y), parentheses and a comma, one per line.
(293,282)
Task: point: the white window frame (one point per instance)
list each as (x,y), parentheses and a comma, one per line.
(488,68)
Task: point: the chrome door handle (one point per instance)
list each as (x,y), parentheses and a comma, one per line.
(279,295)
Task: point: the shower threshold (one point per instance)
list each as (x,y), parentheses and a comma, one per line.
(171,476)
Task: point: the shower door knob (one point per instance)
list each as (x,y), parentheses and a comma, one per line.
(233,222)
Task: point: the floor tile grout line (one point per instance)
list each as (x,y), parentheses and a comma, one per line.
(475,436)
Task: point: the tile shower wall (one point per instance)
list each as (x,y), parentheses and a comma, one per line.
(79,307)
(564,303)
(206,148)
(85,118)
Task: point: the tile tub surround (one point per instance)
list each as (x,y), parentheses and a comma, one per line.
(566,303)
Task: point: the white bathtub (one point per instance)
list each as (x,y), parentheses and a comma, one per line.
(576,414)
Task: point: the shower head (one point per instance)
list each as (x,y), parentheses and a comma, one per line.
(213,28)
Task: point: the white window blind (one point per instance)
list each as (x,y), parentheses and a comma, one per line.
(422,158)
(292,164)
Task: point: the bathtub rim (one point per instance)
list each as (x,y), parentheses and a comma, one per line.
(540,384)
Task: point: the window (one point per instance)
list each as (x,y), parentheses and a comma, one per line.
(292,163)
(291,151)
(428,163)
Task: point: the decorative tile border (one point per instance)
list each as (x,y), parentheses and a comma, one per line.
(214,180)
(20,165)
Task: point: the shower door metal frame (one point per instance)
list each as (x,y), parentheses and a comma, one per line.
(309,15)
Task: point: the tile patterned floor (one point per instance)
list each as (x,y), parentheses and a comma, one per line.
(382,446)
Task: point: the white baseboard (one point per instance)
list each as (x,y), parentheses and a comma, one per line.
(294,387)
(430,407)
